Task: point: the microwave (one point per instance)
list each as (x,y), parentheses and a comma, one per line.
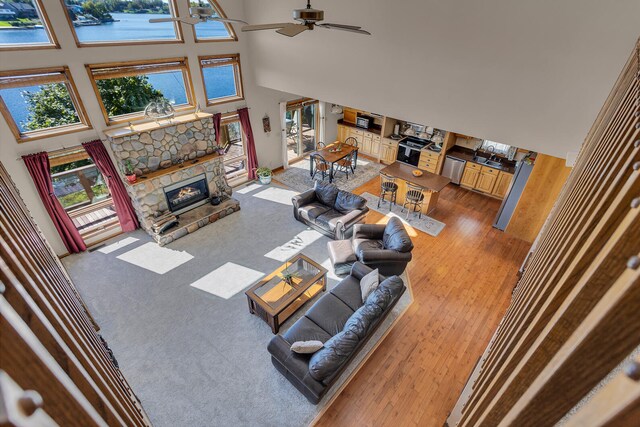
(363,122)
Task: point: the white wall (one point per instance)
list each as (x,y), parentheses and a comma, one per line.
(260,100)
(528,73)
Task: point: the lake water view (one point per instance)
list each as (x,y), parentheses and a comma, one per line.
(219,82)
(129,26)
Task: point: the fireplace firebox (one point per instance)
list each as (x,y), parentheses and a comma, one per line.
(188,194)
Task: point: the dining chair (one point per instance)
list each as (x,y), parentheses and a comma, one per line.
(389,187)
(320,145)
(354,157)
(321,165)
(414,198)
(345,165)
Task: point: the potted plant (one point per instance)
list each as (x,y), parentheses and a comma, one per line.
(128,171)
(288,277)
(264,175)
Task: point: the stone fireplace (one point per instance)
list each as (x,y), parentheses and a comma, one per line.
(183,182)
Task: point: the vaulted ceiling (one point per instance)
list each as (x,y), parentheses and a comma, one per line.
(528,73)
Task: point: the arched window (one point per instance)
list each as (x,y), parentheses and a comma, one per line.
(212,30)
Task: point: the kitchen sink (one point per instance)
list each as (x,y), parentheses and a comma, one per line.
(485,161)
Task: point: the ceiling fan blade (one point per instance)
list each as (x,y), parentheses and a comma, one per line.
(188,21)
(260,27)
(229,20)
(352,28)
(292,30)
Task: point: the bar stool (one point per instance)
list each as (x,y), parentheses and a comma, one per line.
(414,198)
(388,186)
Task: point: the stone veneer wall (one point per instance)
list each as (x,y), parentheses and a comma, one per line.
(166,146)
(148,196)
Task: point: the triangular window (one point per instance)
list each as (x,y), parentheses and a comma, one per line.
(212,30)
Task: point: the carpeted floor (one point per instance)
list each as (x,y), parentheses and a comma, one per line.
(193,354)
(297,177)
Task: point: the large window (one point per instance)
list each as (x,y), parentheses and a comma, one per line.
(125,89)
(24,25)
(40,103)
(113,22)
(212,30)
(232,140)
(302,123)
(222,78)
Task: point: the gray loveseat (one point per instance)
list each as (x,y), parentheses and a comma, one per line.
(343,322)
(330,210)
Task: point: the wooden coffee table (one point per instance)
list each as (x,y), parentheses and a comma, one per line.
(274,300)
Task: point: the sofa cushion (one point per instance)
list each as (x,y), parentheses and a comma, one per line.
(395,236)
(348,290)
(346,202)
(329,219)
(313,210)
(326,193)
(330,313)
(392,285)
(360,245)
(305,330)
(360,321)
(380,297)
(326,361)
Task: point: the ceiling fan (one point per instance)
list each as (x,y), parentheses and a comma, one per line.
(197,15)
(309,19)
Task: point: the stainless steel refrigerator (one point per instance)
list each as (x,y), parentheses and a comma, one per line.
(520,177)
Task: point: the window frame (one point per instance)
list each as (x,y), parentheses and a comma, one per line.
(173,7)
(225,120)
(216,6)
(48,28)
(39,76)
(232,59)
(299,104)
(154,65)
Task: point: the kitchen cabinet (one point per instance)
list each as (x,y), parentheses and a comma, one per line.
(343,133)
(428,161)
(502,184)
(470,175)
(487,179)
(349,114)
(388,151)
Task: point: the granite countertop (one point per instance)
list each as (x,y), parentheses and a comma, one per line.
(467,154)
(430,181)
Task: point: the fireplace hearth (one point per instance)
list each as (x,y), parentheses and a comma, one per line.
(186,195)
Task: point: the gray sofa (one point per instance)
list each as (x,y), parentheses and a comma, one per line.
(329,210)
(343,322)
(385,247)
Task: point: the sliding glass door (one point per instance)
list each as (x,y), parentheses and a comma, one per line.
(302,124)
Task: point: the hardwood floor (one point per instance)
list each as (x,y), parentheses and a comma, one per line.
(462,282)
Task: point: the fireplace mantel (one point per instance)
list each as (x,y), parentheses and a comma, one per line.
(151,126)
(167,171)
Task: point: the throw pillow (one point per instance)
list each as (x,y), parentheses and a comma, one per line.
(368,284)
(306,347)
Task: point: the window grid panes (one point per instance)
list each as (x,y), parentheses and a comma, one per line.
(23,24)
(40,103)
(495,147)
(122,21)
(125,90)
(222,78)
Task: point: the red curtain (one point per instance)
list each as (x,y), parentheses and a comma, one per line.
(121,200)
(252,159)
(38,167)
(217,119)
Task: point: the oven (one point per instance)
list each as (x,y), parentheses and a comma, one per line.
(409,151)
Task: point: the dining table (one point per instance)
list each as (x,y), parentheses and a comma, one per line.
(332,154)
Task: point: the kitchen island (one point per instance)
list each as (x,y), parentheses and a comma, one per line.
(431,182)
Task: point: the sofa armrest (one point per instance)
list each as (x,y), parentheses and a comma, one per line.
(368,231)
(296,365)
(359,270)
(385,255)
(304,198)
(347,221)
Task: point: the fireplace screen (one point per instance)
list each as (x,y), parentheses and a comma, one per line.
(187,194)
